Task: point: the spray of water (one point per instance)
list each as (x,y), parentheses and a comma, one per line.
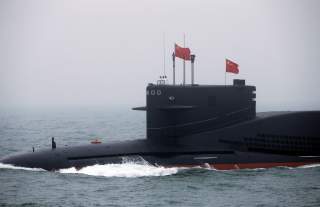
(128,170)
(130,167)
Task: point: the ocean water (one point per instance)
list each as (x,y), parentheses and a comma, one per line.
(134,182)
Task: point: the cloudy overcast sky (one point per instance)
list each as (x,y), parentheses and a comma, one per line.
(104,52)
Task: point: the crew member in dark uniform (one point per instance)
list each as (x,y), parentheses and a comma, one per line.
(53,143)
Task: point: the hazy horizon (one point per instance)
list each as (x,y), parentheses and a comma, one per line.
(98,53)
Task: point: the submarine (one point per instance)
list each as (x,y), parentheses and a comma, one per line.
(190,125)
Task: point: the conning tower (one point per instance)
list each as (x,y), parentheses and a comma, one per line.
(180,110)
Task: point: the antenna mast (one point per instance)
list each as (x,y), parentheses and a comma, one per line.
(193,57)
(164,55)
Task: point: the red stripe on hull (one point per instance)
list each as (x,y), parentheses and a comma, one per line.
(234,166)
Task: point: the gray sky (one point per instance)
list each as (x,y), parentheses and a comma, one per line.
(103,53)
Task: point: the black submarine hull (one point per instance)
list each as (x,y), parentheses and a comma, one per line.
(271,139)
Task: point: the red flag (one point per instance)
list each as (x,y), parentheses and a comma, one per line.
(181,52)
(231,67)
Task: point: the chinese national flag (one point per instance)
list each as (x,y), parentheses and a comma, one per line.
(231,67)
(181,52)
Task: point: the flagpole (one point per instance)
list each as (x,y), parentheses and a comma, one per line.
(174,68)
(225,75)
(184,62)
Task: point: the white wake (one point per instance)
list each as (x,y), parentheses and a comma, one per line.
(128,170)
(7,166)
(309,166)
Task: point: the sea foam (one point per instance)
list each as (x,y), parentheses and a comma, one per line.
(309,166)
(129,170)
(7,166)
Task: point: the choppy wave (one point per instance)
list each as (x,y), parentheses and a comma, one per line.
(7,166)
